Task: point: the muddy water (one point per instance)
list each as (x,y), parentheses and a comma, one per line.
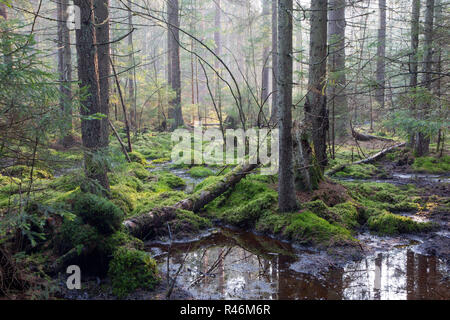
(240,265)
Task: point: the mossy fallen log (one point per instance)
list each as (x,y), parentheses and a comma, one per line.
(367,160)
(143,225)
(367,137)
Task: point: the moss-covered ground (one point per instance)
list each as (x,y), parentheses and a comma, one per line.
(59,215)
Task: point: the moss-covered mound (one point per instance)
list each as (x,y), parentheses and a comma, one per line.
(432,164)
(200,172)
(132,269)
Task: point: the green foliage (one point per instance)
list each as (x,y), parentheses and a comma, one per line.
(200,172)
(23,172)
(209,181)
(187,222)
(132,269)
(136,156)
(154,145)
(75,233)
(167,181)
(432,165)
(387,223)
(149,201)
(304,227)
(249,212)
(98,212)
(357,171)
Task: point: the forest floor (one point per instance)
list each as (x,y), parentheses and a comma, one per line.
(398,202)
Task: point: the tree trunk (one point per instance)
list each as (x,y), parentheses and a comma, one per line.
(413,66)
(423,139)
(131,88)
(174,58)
(286,190)
(336,61)
(104,67)
(218,52)
(316,114)
(5,43)
(88,75)
(144,225)
(65,69)
(381,53)
(265,57)
(274,113)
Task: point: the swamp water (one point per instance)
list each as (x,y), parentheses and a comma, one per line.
(230,264)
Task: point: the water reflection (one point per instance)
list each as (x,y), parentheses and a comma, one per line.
(232,265)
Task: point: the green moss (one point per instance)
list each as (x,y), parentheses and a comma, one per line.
(149,201)
(200,172)
(76,233)
(68,181)
(170,180)
(99,212)
(304,227)
(124,197)
(347,214)
(357,171)
(137,157)
(132,269)
(207,182)
(126,180)
(160,160)
(249,212)
(343,214)
(432,165)
(154,145)
(387,223)
(188,222)
(23,172)
(383,196)
(122,239)
(139,171)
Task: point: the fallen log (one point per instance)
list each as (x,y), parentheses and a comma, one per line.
(149,224)
(367,137)
(370,159)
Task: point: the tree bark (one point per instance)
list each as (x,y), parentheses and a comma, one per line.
(423,139)
(131,87)
(413,66)
(175,73)
(65,68)
(286,191)
(265,57)
(274,113)
(316,114)
(88,75)
(336,62)
(6,46)
(104,68)
(218,52)
(381,53)
(144,226)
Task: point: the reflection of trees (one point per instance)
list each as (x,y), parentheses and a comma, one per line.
(234,266)
(410,275)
